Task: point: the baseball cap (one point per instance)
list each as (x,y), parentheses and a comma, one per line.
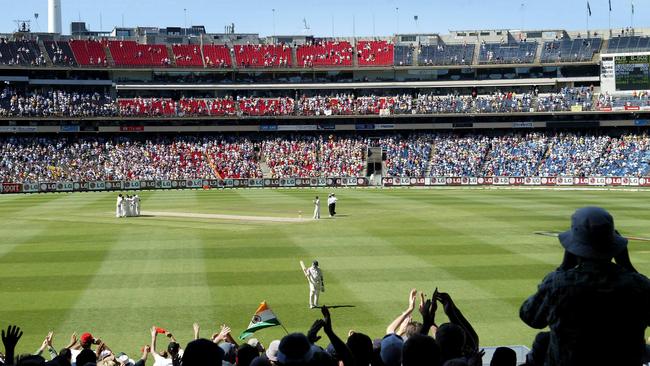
(272,351)
(86,338)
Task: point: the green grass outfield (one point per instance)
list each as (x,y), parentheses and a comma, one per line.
(67,264)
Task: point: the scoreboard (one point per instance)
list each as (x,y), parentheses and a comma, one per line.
(631,72)
(625,72)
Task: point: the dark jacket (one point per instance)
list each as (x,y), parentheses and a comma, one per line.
(597,313)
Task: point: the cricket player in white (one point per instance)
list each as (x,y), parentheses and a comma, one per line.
(316,283)
(316,208)
(118,206)
(136,203)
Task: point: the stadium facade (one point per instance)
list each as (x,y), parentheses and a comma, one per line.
(407,88)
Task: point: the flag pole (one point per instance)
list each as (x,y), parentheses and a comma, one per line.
(609,18)
(588,14)
(285,329)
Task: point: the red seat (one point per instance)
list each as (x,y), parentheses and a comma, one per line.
(187,55)
(375,53)
(325,53)
(88,52)
(217,56)
(131,53)
(263,55)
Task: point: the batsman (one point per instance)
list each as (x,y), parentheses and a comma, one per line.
(316,283)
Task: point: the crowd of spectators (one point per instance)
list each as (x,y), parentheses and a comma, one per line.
(573,155)
(411,339)
(53,103)
(325,53)
(21,53)
(407,157)
(56,102)
(567,98)
(262,55)
(317,156)
(458,156)
(24,159)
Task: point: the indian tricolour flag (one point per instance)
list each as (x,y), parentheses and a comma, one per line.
(263,318)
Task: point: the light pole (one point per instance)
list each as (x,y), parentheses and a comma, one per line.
(185,20)
(397,19)
(273,11)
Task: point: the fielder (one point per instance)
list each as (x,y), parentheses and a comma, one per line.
(136,204)
(316,208)
(316,282)
(119,210)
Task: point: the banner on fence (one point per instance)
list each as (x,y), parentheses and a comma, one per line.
(116,185)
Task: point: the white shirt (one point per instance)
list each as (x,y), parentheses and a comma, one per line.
(314,276)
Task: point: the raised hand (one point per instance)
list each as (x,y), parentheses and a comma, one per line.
(196,328)
(412,296)
(327,319)
(49,338)
(428,312)
(11,337)
(476,358)
(225,330)
(445,300)
(312,334)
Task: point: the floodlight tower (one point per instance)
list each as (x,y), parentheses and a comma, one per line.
(54,16)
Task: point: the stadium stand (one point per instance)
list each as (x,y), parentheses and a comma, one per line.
(507,53)
(303,156)
(133,54)
(515,155)
(407,157)
(12,104)
(403,55)
(573,155)
(60,53)
(325,53)
(217,56)
(628,44)
(266,106)
(566,99)
(628,155)
(262,55)
(56,103)
(89,52)
(458,156)
(570,50)
(446,54)
(22,53)
(375,53)
(186,55)
(25,159)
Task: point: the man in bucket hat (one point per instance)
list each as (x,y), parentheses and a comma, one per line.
(597,310)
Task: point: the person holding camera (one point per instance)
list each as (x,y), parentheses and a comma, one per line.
(589,294)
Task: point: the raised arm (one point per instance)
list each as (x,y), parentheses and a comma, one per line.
(10,339)
(196,328)
(153,339)
(396,324)
(145,353)
(342,350)
(73,341)
(456,317)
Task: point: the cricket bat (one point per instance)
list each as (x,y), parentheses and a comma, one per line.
(302,265)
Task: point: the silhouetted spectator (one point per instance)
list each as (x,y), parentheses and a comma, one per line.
(575,302)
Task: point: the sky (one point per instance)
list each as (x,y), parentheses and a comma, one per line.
(333,17)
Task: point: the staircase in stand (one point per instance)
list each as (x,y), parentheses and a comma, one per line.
(264,167)
(41,47)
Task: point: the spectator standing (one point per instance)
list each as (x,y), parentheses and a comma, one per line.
(588,294)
